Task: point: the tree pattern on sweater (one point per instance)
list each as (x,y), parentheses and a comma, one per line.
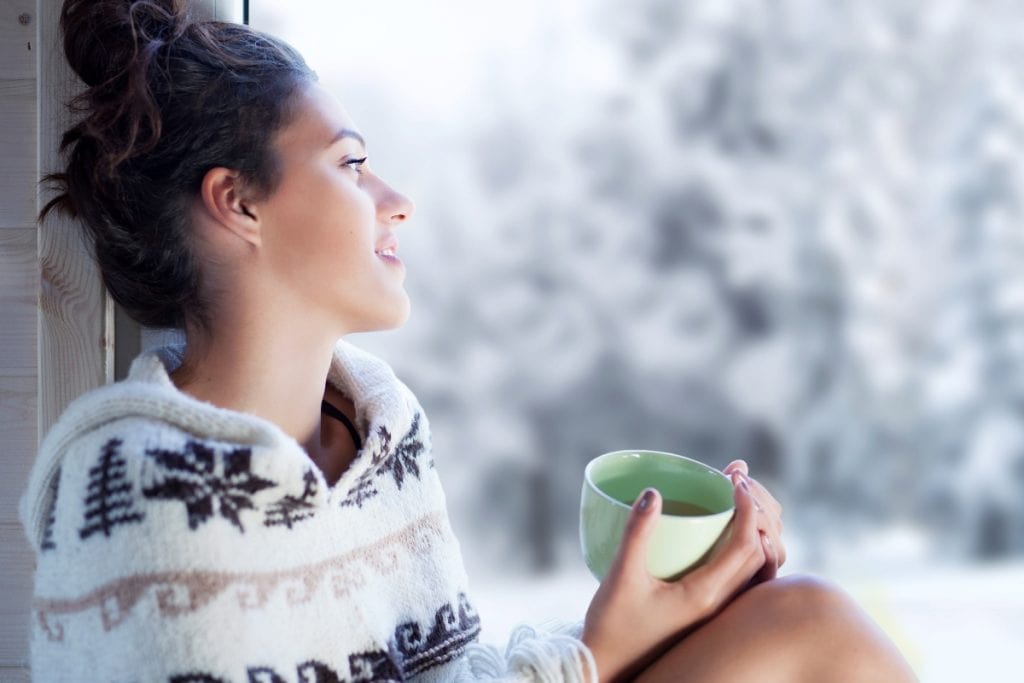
(292,509)
(364,488)
(402,461)
(206,481)
(48,543)
(109,501)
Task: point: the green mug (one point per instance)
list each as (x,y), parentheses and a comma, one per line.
(697,504)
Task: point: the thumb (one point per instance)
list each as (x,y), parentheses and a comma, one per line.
(632,555)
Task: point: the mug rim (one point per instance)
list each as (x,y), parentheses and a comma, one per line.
(615,501)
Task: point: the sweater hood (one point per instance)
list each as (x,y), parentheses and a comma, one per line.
(148,392)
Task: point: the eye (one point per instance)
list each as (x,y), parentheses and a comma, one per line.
(355,164)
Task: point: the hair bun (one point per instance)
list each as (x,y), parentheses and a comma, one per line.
(102,38)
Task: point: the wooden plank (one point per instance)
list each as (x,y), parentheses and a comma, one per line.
(18,427)
(19,318)
(18,163)
(16,567)
(76,323)
(223,10)
(19,297)
(18,39)
(15,675)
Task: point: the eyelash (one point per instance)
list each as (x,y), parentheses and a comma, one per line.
(355,164)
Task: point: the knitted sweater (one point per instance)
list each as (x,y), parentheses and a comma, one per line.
(182,542)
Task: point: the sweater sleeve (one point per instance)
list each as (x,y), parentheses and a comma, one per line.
(549,653)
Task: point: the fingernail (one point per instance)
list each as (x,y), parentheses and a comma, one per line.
(645,500)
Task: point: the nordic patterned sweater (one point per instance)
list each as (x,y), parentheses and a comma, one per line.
(177,541)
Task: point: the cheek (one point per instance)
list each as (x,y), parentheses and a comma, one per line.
(339,206)
(321,216)
(327,259)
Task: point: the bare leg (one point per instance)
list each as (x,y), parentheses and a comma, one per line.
(790,629)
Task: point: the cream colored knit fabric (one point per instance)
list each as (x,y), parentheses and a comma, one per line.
(182,542)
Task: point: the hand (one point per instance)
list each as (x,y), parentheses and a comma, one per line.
(769,522)
(633,617)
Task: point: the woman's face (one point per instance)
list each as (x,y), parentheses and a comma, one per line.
(328,228)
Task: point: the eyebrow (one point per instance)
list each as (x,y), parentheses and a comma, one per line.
(347,133)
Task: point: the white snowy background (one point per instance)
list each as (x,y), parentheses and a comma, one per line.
(790,231)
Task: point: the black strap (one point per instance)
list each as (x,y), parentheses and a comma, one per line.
(343,419)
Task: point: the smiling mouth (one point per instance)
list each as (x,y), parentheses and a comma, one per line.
(389,255)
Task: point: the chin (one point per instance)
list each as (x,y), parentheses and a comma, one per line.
(391,318)
(399,320)
(401,312)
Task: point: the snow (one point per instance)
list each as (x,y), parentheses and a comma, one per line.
(785,231)
(953,624)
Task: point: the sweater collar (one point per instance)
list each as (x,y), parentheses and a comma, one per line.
(385,408)
(385,411)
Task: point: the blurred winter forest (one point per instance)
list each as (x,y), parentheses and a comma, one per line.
(789,231)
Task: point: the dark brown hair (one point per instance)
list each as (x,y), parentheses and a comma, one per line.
(168,98)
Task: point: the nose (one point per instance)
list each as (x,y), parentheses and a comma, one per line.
(393,207)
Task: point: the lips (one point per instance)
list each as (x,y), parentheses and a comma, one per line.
(388,248)
(387,252)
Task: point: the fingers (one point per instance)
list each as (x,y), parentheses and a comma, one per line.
(736,466)
(763,497)
(770,520)
(631,559)
(760,492)
(767,504)
(770,569)
(742,555)
(773,537)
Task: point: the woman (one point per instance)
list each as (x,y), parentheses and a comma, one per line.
(261,504)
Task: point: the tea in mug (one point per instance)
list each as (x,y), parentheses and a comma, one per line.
(680,508)
(624,488)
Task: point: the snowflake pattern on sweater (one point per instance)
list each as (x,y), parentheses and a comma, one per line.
(207,481)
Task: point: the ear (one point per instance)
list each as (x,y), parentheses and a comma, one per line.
(223,200)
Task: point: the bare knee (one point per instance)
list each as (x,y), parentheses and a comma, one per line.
(836,635)
(796,628)
(802,598)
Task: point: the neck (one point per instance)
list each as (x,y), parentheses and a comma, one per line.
(276,372)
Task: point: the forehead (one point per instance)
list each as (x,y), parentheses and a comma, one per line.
(316,120)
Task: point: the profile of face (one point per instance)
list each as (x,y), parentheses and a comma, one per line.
(327,238)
